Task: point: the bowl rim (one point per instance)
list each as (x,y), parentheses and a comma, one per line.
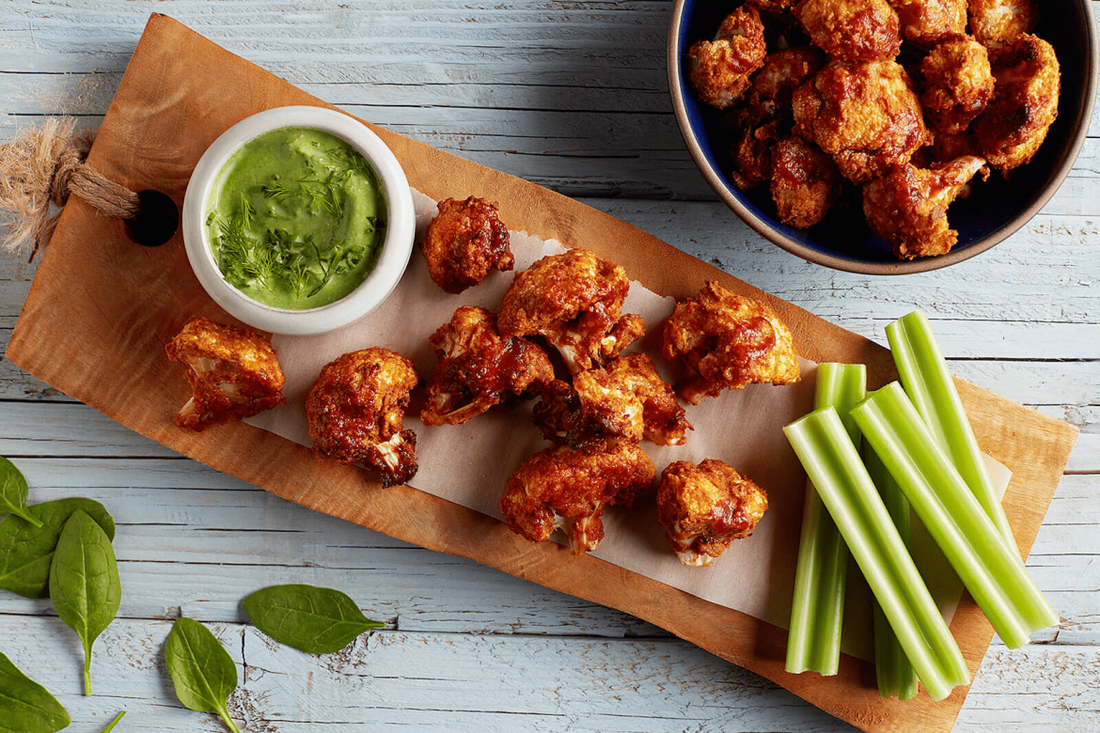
(676,90)
(397,245)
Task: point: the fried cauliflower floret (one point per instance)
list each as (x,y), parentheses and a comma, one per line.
(958,84)
(478,368)
(766,115)
(907,208)
(999,21)
(719,70)
(355,409)
(805,183)
(574,301)
(851,30)
(627,401)
(927,23)
(563,488)
(464,242)
(1024,105)
(865,115)
(705,507)
(727,341)
(234,373)
(663,420)
(593,413)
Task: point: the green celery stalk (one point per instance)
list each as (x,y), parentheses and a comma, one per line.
(832,462)
(817,611)
(896,676)
(928,383)
(992,571)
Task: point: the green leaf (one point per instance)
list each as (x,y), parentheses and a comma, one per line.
(27,705)
(26,550)
(310,619)
(111,726)
(203,673)
(13,492)
(84,584)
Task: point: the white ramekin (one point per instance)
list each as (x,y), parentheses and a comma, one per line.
(392,260)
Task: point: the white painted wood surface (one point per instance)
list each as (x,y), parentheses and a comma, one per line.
(572,96)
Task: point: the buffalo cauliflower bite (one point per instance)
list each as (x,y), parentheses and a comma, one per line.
(994,22)
(663,420)
(865,115)
(927,23)
(355,409)
(560,487)
(464,242)
(705,507)
(1024,105)
(234,373)
(957,85)
(719,70)
(574,301)
(627,400)
(907,208)
(727,341)
(851,30)
(766,115)
(595,412)
(805,183)
(478,368)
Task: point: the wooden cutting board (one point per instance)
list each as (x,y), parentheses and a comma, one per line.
(101,309)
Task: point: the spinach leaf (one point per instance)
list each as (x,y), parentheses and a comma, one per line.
(84,584)
(26,551)
(308,618)
(27,705)
(111,726)
(13,492)
(202,671)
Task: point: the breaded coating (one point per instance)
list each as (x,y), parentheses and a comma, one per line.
(907,208)
(594,413)
(563,488)
(994,22)
(574,300)
(705,507)
(851,30)
(663,420)
(478,368)
(865,115)
(727,341)
(766,115)
(805,182)
(464,242)
(355,409)
(1025,102)
(234,373)
(957,85)
(719,70)
(927,23)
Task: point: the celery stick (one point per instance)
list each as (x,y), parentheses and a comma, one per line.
(817,611)
(992,571)
(928,383)
(833,464)
(896,676)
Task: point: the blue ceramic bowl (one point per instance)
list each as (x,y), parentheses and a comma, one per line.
(995,209)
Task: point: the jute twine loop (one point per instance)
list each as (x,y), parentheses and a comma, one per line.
(38,171)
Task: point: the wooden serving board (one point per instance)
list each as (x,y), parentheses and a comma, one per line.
(102,307)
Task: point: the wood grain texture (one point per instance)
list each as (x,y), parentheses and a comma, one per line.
(1016,321)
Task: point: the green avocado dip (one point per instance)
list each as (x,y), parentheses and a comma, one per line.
(296,218)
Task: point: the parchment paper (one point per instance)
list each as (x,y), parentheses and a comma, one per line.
(744,428)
